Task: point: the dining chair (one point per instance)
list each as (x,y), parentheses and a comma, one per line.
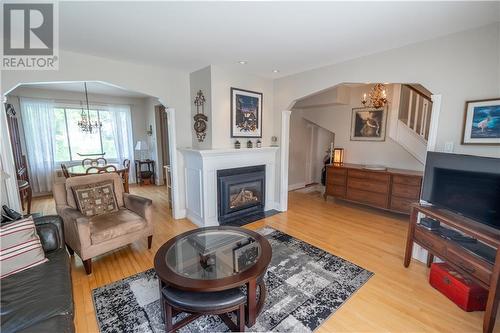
(94,161)
(125,174)
(103,169)
(24,186)
(64,169)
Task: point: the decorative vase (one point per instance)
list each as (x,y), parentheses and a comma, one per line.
(237,145)
(274,141)
(259,144)
(249,144)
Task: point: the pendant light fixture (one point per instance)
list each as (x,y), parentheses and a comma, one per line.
(86,124)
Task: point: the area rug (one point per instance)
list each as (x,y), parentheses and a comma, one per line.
(305,286)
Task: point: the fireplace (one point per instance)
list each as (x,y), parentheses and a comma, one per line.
(240,192)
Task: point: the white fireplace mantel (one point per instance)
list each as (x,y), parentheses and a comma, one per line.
(200,171)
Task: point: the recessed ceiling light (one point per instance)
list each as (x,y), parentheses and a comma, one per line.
(276,70)
(242,62)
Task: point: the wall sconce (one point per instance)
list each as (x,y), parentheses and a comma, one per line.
(338,156)
(150,130)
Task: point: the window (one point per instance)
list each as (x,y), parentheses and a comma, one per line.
(70,141)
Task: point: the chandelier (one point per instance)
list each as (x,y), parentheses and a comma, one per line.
(377,97)
(86,124)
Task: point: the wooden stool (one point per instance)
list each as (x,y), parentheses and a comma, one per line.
(220,303)
(25,193)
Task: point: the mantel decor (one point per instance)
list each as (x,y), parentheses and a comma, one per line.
(368,124)
(200,118)
(246,114)
(482,122)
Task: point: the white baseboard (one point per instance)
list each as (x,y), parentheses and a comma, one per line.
(294,187)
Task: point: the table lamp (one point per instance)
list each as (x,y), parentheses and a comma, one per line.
(141,146)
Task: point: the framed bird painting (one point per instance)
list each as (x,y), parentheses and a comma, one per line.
(482,122)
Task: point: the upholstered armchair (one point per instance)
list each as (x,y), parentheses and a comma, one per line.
(90,236)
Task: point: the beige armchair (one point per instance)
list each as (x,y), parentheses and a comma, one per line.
(92,236)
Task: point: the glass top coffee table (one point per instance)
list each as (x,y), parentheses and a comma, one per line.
(215,259)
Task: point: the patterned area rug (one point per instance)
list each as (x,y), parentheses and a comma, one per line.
(305,286)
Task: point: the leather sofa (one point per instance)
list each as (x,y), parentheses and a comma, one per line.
(40,299)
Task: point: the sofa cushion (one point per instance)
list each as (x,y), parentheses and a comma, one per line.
(20,247)
(32,296)
(108,226)
(95,199)
(89,179)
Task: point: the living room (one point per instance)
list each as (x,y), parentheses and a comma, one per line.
(228,118)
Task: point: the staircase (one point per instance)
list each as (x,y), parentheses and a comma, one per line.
(413,122)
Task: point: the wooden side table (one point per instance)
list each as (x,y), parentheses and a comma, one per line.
(150,164)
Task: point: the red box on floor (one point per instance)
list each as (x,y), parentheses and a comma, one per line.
(465,293)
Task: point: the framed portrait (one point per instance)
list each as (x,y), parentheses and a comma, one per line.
(482,122)
(246,114)
(368,124)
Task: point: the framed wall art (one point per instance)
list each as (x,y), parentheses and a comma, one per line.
(368,124)
(482,122)
(246,114)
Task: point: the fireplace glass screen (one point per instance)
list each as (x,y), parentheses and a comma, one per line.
(242,195)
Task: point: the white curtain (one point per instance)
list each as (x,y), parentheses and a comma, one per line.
(38,122)
(121,121)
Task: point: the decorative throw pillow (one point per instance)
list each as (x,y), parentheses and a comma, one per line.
(20,247)
(95,199)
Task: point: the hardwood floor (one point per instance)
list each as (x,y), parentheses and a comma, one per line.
(395,299)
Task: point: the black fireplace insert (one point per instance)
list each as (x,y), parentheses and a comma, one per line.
(240,192)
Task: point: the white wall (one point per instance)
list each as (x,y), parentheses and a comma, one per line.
(338,120)
(202,80)
(223,78)
(308,144)
(451,66)
(460,67)
(171,86)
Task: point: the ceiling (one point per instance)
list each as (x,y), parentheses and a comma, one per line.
(93,87)
(289,36)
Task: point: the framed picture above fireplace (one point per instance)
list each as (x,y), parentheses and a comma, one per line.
(246,113)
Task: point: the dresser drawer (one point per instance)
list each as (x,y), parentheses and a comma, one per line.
(469,264)
(429,241)
(336,171)
(371,198)
(336,191)
(377,176)
(401,204)
(407,180)
(368,185)
(336,180)
(406,191)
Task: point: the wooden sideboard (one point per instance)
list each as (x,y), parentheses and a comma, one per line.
(391,189)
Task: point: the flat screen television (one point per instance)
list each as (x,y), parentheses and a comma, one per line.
(467,185)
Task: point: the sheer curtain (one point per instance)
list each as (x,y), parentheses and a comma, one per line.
(121,121)
(38,123)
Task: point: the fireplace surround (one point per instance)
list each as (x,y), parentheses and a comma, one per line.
(240,192)
(200,170)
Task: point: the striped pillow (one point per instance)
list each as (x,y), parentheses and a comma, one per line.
(20,247)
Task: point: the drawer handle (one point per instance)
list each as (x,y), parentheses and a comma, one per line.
(466,268)
(446,280)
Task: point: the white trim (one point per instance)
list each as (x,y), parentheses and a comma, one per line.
(285,146)
(433,127)
(296,186)
(177,212)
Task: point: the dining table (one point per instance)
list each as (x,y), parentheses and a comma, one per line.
(81,170)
